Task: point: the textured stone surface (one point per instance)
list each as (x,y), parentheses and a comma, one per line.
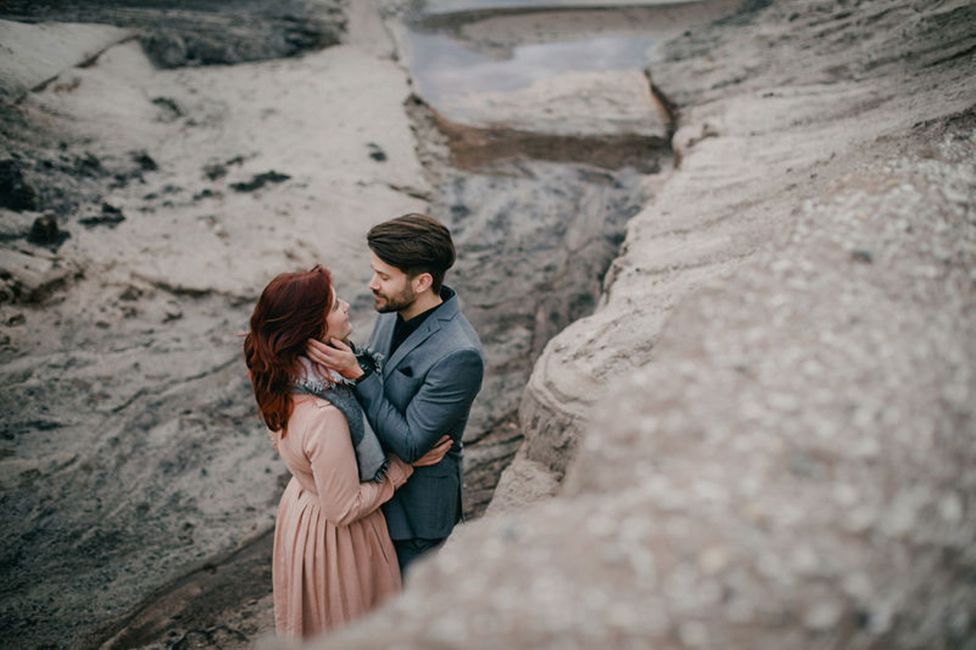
(758,137)
(567,104)
(131,451)
(523,482)
(197,32)
(33,54)
(767,427)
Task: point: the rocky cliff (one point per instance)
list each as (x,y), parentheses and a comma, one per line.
(764,435)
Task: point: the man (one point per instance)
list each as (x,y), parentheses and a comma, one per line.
(432,370)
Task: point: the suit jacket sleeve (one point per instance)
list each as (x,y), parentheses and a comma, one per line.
(443,400)
(342,497)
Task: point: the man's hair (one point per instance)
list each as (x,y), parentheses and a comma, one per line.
(415,244)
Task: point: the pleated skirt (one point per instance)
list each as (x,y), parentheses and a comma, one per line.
(326,575)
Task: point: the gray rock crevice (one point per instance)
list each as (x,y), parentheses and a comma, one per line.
(538,214)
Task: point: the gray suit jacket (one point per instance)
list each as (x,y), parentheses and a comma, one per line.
(424,391)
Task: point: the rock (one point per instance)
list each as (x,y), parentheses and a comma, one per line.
(216,171)
(172,311)
(109,216)
(260,180)
(203,33)
(680,251)
(89,165)
(45,232)
(145,161)
(31,277)
(376,152)
(166,49)
(564,105)
(15,225)
(169,109)
(15,192)
(522,483)
(758,428)
(205,193)
(46,50)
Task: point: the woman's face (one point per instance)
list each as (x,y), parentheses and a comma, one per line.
(337,320)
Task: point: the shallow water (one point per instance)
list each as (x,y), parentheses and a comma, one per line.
(458,52)
(445,67)
(450,6)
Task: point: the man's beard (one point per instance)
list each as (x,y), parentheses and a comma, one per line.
(395,303)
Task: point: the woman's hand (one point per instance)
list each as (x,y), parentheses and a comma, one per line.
(435,454)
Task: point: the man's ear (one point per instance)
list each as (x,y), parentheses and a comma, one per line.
(423,282)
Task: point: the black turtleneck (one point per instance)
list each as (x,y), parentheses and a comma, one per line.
(405,328)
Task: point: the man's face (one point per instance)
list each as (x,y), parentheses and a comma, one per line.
(391,287)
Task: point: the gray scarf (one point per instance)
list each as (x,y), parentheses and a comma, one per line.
(370,457)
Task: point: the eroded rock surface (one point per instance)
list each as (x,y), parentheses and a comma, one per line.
(766,430)
(757,139)
(34,54)
(200,32)
(132,458)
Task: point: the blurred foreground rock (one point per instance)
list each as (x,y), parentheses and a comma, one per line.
(766,430)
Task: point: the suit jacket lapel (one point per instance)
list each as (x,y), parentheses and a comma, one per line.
(416,338)
(382,336)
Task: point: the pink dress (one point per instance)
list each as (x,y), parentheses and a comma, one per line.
(333,558)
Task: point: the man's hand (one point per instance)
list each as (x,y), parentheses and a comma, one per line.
(340,357)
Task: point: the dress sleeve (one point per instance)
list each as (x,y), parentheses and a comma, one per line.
(342,497)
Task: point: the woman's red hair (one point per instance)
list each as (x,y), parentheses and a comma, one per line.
(290,311)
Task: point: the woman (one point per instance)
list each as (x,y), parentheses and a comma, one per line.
(333,558)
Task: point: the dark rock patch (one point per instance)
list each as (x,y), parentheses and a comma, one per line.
(15,192)
(376,152)
(110,216)
(206,193)
(45,232)
(169,110)
(145,161)
(89,165)
(216,171)
(259,181)
(203,32)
